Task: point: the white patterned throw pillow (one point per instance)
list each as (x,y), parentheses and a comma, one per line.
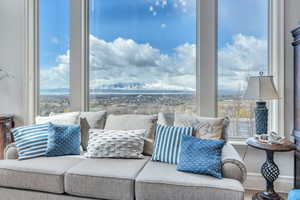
(205,128)
(115,143)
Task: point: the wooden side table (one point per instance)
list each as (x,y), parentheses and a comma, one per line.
(6,123)
(269,169)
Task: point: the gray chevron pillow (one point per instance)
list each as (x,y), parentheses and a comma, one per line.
(115,143)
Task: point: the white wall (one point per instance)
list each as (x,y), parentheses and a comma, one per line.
(12,57)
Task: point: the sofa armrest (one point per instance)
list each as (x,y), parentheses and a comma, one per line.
(10,152)
(232,165)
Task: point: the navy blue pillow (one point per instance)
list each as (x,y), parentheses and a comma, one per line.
(63,140)
(201,156)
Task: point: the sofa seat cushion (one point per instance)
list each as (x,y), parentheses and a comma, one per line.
(161,181)
(104,178)
(41,174)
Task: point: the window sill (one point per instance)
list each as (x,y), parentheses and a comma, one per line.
(241,142)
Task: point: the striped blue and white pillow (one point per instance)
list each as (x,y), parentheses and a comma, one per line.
(31,141)
(167,143)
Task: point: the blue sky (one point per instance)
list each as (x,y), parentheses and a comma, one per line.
(164,28)
(164,24)
(54,30)
(248,17)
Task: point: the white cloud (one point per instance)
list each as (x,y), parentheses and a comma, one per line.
(185,6)
(56,76)
(54,40)
(163,26)
(244,57)
(123,63)
(151,9)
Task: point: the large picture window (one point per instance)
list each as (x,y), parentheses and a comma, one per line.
(242,52)
(54,56)
(143,56)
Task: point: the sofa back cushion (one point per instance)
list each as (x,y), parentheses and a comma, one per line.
(31,141)
(90,120)
(166,118)
(167,143)
(70,118)
(95,120)
(205,128)
(135,122)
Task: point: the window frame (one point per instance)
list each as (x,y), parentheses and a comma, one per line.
(207,36)
(31,21)
(276,63)
(79,55)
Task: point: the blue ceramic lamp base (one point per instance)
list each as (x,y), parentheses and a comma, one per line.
(261,118)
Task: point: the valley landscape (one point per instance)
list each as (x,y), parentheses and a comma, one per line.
(151,102)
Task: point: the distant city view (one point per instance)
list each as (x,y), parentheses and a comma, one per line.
(152,102)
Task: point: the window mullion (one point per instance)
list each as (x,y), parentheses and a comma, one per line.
(32,60)
(276,62)
(208,69)
(79,55)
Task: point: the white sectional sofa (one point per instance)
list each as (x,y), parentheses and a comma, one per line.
(77,177)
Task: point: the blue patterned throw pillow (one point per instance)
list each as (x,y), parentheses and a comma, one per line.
(167,143)
(31,141)
(63,140)
(201,156)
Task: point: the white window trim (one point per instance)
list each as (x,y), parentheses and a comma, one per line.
(276,63)
(79,56)
(207,32)
(207,52)
(31,65)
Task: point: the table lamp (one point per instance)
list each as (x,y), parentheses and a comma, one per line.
(261,88)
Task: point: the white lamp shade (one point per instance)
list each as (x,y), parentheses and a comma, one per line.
(261,88)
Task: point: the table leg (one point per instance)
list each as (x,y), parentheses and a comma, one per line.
(2,140)
(270,172)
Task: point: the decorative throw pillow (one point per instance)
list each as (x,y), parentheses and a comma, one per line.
(31,141)
(87,120)
(135,122)
(62,119)
(205,128)
(167,143)
(115,144)
(201,156)
(63,140)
